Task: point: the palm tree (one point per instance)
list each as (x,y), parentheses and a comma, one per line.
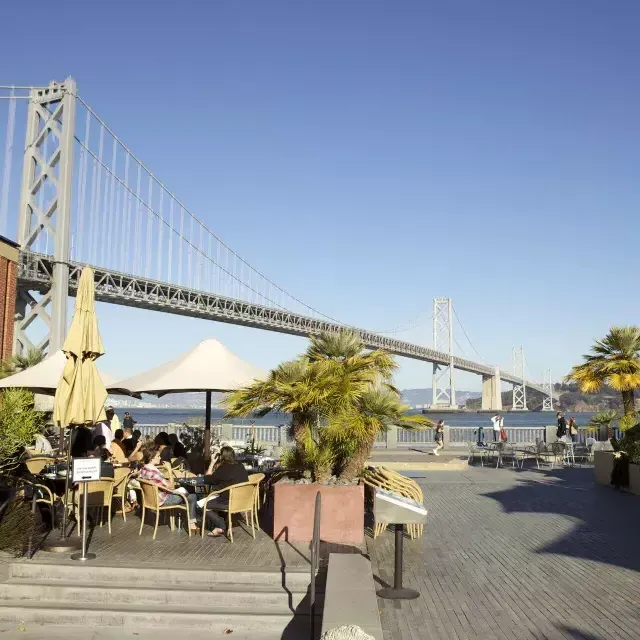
(30,359)
(20,362)
(339,396)
(603,420)
(614,361)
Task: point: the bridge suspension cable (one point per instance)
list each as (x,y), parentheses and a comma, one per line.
(455,313)
(127,219)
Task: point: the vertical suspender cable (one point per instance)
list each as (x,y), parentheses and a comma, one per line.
(189,281)
(169,261)
(84,158)
(135,259)
(98,214)
(147,265)
(209,265)
(6,168)
(107,243)
(126,205)
(160,232)
(104,217)
(219,270)
(181,241)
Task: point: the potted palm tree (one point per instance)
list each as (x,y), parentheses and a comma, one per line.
(614,361)
(339,397)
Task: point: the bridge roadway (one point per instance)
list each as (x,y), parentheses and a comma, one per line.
(35,270)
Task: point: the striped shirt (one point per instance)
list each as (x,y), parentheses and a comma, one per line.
(152,473)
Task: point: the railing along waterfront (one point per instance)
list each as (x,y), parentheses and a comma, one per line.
(521,435)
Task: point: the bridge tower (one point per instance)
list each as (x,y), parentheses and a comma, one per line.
(443,388)
(520,389)
(45,210)
(547,401)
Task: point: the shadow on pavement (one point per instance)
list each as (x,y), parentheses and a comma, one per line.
(606,518)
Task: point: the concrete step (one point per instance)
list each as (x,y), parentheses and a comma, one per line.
(97,574)
(296,629)
(136,617)
(270,598)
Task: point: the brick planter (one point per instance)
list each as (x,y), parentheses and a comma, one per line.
(603,466)
(634,478)
(342,517)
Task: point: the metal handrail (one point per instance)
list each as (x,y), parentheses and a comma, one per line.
(315,560)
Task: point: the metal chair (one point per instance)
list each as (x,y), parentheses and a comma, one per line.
(241,500)
(151,501)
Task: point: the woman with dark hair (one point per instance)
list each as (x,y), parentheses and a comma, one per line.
(100,451)
(223,472)
(163,446)
(167,496)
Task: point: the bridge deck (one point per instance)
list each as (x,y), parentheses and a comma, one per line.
(35,270)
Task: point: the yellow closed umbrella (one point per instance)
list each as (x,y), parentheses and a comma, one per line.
(81,394)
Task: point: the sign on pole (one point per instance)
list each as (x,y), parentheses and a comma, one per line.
(86,469)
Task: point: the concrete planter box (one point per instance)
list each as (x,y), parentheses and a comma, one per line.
(634,478)
(603,466)
(342,518)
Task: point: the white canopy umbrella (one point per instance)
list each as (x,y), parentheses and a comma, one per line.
(44,377)
(208,367)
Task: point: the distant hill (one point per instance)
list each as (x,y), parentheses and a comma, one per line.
(567,398)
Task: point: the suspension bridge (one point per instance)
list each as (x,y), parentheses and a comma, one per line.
(84,198)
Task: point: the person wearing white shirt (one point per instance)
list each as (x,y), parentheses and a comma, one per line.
(107,427)
(498,421)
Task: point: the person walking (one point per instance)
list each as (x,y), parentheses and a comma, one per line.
(562,425)
(573,428)
(128,422)
(497,421)
(439,438)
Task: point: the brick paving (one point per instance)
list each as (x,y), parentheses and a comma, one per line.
(517,554)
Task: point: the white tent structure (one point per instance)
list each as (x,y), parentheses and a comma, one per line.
(208,367)
(44,377)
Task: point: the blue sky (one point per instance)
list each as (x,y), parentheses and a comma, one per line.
(369,156)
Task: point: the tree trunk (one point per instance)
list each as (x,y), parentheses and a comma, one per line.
(628,402)
(356,463)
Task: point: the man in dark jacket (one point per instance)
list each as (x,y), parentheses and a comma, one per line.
(227,473)
(562,425)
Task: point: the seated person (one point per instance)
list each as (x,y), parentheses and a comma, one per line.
(163,445)
(118,448)
(150,472)
(179,450)
(222,473)
(81,442)
(100,451)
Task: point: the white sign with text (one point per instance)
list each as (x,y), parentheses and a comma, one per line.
(86,469)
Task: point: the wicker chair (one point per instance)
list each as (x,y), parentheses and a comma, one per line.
(120,483)
(37,464)
(99,495)
(256,479)
(241,500)
(151,501)
(383,478)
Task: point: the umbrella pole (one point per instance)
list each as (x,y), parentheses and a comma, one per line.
(207,429)
(63,533)
(63,544)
